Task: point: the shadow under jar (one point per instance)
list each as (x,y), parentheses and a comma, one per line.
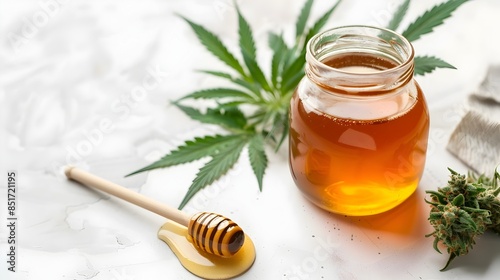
(359,122)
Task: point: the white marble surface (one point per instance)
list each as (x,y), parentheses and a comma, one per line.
(70,72)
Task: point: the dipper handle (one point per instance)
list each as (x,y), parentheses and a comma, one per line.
(210,232)
(138,199)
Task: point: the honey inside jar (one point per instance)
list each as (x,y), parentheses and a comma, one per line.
(358,152)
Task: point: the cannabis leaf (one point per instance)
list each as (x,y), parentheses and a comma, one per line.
(302,19)
(318,25)
(265,121)
(215,46)
(258,158)
(229,118)
(219,93)
(399,15)
(193,150)
(422,25)
(430,19)
(221,162)
(427,64)
(253,111)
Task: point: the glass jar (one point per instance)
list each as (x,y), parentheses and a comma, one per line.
(359,122)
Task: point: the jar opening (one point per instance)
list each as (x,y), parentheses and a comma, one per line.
(359,57)
(364,40)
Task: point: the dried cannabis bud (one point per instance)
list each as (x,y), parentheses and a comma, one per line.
(463,210)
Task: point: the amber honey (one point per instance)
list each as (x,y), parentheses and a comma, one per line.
(358,149)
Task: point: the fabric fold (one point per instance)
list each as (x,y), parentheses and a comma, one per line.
(476,139)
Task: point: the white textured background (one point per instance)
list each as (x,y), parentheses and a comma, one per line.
(69,70)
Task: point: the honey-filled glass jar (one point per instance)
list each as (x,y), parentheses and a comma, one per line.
(359,122)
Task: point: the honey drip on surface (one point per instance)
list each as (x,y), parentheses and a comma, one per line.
(202,264)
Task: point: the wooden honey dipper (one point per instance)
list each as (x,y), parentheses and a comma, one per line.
(209,232)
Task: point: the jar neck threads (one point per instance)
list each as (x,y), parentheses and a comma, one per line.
(372,60)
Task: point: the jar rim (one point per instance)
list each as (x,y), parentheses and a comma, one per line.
(311,52)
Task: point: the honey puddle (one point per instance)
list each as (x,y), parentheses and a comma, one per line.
(202,264)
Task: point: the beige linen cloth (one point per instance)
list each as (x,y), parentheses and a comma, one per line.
(476,139)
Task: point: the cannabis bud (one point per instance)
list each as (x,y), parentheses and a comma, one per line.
(463,210)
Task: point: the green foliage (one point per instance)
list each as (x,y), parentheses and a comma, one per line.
(425,24)
(302,19)
(462,211)
(430,19)
(220,163)
(398,15)
(229,118)
(254,110)
(427,64)
(193,150)
(215,46)
(318,25)
(257,157)
(221,93)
